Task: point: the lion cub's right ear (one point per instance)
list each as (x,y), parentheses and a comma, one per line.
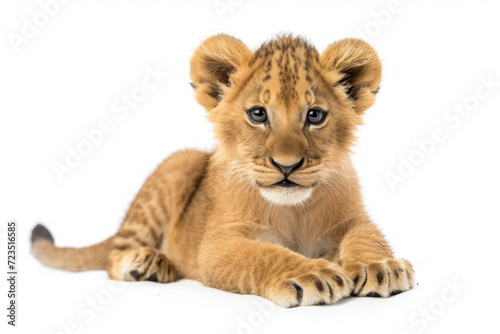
(213,65)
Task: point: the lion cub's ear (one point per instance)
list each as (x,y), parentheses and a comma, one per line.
(354,65)
(212,67)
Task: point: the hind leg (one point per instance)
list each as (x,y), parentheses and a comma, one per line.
(138,251)
(141,264)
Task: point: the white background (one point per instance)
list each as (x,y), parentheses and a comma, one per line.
(63,80)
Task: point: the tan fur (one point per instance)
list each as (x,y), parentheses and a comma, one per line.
(218,217)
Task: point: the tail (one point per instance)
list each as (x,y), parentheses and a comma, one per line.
(75,259)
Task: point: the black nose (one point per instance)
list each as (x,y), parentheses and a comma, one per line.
(286,170)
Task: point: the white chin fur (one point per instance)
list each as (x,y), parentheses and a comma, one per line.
(286,196)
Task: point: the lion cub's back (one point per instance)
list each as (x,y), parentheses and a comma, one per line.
(181,174)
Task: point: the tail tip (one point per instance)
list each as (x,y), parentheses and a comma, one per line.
(41,232)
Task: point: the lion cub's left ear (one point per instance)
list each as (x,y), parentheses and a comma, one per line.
(354,65)
(213,66)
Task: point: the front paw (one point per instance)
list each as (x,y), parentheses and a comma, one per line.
(382,278)
(319,282)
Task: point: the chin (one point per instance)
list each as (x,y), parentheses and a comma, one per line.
(286,196)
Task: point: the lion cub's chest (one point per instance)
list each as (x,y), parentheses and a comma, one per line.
(299,234)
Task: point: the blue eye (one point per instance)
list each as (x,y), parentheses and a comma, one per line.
(257,115)
(315,116)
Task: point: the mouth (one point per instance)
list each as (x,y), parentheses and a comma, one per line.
(286,192)
(286,184)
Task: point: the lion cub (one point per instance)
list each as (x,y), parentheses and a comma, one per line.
(275,210)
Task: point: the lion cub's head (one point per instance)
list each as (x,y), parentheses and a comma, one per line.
(285,114)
